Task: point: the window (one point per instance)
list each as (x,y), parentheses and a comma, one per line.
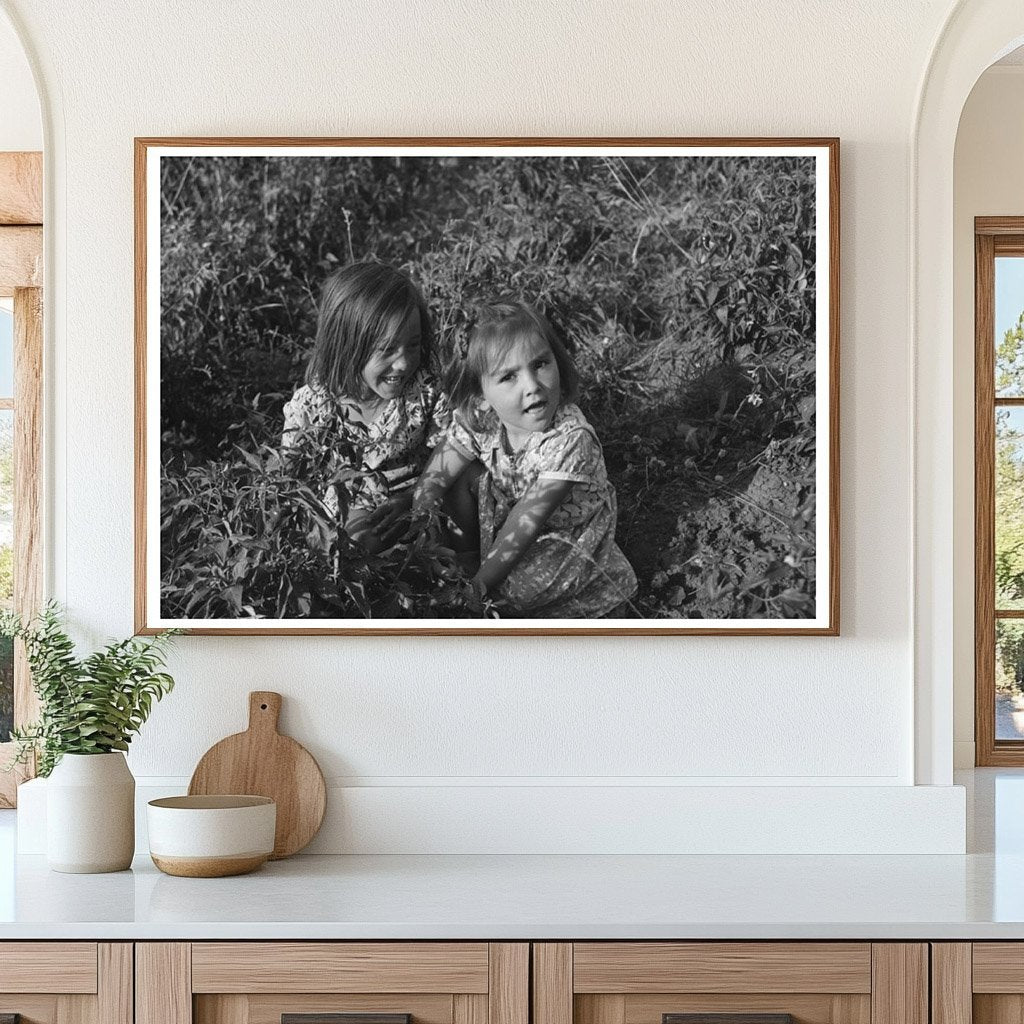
(999,490)
(20,430)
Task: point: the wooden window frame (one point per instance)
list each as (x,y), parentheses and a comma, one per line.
(993,236)
(21,278)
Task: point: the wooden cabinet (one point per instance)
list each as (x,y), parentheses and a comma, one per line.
(66,982)
(978,983)
(494,983)
(650,982)
(261,982)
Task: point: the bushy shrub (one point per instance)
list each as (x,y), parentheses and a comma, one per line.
(255,533)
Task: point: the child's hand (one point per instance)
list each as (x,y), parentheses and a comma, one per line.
(416,523)
(387,519)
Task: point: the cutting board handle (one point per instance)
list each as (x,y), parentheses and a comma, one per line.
(264,710)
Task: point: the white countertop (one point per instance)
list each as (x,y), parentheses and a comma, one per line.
(517,897)
(976,896)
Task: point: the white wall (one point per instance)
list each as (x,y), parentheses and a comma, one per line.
(436,715)
(21,127)
(987,182)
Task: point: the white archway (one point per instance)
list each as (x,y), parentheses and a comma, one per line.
(22,130)
(21,125)
(977,33)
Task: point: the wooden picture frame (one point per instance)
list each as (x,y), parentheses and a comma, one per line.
(739,239)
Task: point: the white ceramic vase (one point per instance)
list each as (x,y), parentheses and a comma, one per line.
(90,814)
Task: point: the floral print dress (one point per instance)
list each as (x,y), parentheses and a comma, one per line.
(392,450)
(574,569)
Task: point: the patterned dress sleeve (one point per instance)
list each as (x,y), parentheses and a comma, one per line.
(440,418)
(309,413)
(572,454)
(296,416)
(463,437)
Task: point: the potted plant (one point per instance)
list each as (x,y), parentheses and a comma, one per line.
(89,710)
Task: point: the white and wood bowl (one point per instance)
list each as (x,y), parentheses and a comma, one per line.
(211,836)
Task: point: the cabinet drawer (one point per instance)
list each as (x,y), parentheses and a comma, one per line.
(641,982)
(332,983)
(66,982)
(730,983)
(340,967)
(66,967)
(998,967)
(633,967)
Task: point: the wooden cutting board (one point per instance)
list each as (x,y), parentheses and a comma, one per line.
(262,762)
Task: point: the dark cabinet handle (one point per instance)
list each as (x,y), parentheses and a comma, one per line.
(337,1018)
(727,1018)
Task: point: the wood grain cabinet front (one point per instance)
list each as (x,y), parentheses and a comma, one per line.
(978,982)
(730,983)
(66,982)
(332,983)
(493,983)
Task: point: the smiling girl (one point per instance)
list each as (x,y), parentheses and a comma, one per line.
(546,509)
(369,397)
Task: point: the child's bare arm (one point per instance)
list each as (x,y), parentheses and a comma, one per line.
(446,465)
(521,529)
(387,518)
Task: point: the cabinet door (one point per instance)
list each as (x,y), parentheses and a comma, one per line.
(66,982)
(730,983)
(981,982)
(332,983)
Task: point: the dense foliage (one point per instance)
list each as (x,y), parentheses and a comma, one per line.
(89,705)
(1009,509)
(684,287)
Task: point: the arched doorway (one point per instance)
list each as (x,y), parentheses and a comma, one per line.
(976,34)
(21,248)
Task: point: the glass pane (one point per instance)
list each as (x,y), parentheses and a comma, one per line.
(1009,574)
(1009,338)
(6,351)
(6,567)
(1009,679)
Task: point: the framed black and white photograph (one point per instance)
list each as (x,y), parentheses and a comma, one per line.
(508,386)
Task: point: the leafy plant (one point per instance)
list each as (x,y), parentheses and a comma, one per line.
(253,534)
(89,705)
